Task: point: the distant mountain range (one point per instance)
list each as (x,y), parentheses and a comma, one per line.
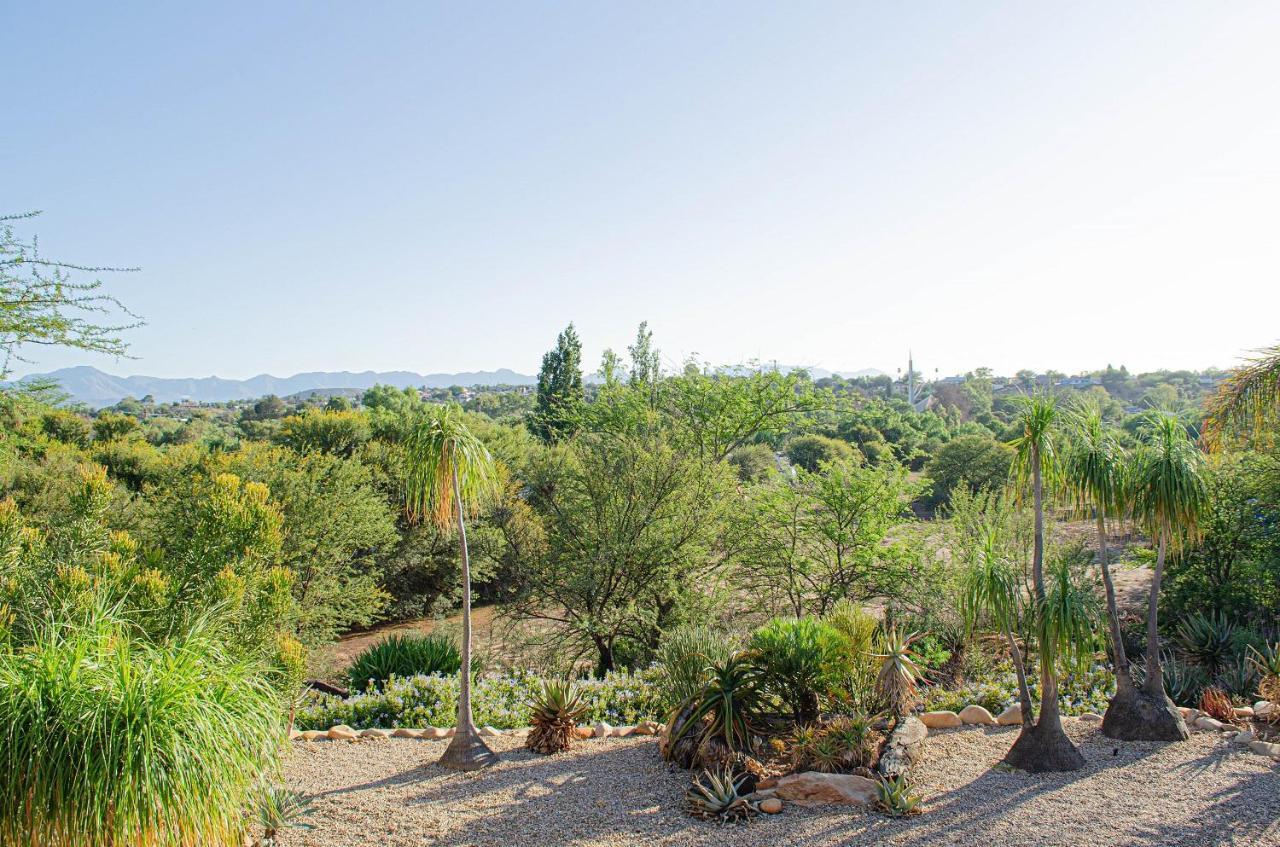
(96,388)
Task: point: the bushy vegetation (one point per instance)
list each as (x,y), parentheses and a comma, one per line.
(404,656)
(499,700)
(703,544)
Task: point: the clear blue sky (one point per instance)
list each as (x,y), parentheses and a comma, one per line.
(441,187)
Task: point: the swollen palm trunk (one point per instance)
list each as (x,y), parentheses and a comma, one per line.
(467,750)
(1146,714)
(1043,745)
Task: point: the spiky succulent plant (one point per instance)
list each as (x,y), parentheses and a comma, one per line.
(1215,703)
(895,798)
(553,716)
(714,796)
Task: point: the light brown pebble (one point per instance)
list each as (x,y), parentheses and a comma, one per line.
(771,805)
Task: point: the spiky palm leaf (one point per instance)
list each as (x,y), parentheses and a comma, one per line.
(723,712)
(1168,487)
(1248,402)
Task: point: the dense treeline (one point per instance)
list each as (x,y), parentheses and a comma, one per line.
(626,507)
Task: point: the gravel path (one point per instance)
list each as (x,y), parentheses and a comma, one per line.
(618,792)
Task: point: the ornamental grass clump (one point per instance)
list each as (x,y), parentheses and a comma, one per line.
(106,739)
(404,656)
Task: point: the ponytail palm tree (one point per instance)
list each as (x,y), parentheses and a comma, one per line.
(449,473)
(992,586)
(1248,402)
(1095,475)
(1168,495)
(1042,744)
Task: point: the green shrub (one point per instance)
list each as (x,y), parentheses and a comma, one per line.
(1079,692)
(110,740)
(404,656)
(799,663)
(498,701)
(684,656)
(1207,640)
(858,665)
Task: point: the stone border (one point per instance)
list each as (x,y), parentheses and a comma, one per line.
(975,715)
(342,732)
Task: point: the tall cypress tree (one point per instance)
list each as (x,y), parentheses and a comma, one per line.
(559,388)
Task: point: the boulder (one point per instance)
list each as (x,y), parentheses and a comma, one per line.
(941,720)
(647,728)
(602,730)
(904,747)
(622,731)
(812,788)
(1188,714)
(771,805)
(405,732)
(584,732)
(437,732)
(1206,722)
(977,715)
(1090,717)
(1265,748)
(294,735)
(489,732)
(315,735)
(1243,737)
(1263,709)
(374,732)
(1011,716)
(1244,711)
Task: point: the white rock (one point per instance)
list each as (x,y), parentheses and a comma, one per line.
(941,720)
(1011,716)
(977,715)
(1265,748)
(1206,722)
(602,730)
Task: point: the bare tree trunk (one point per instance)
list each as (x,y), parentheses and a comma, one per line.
(1024,692)
(1153,685)
(467,751)
(1118,657)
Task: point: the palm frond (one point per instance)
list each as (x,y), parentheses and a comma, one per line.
(1168,486)
(437,446)
(1247,402)
(1094,463)
(1035,444)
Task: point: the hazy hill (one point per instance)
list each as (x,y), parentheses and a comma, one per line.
(96,388)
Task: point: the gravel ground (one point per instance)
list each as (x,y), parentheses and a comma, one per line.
(618,792)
